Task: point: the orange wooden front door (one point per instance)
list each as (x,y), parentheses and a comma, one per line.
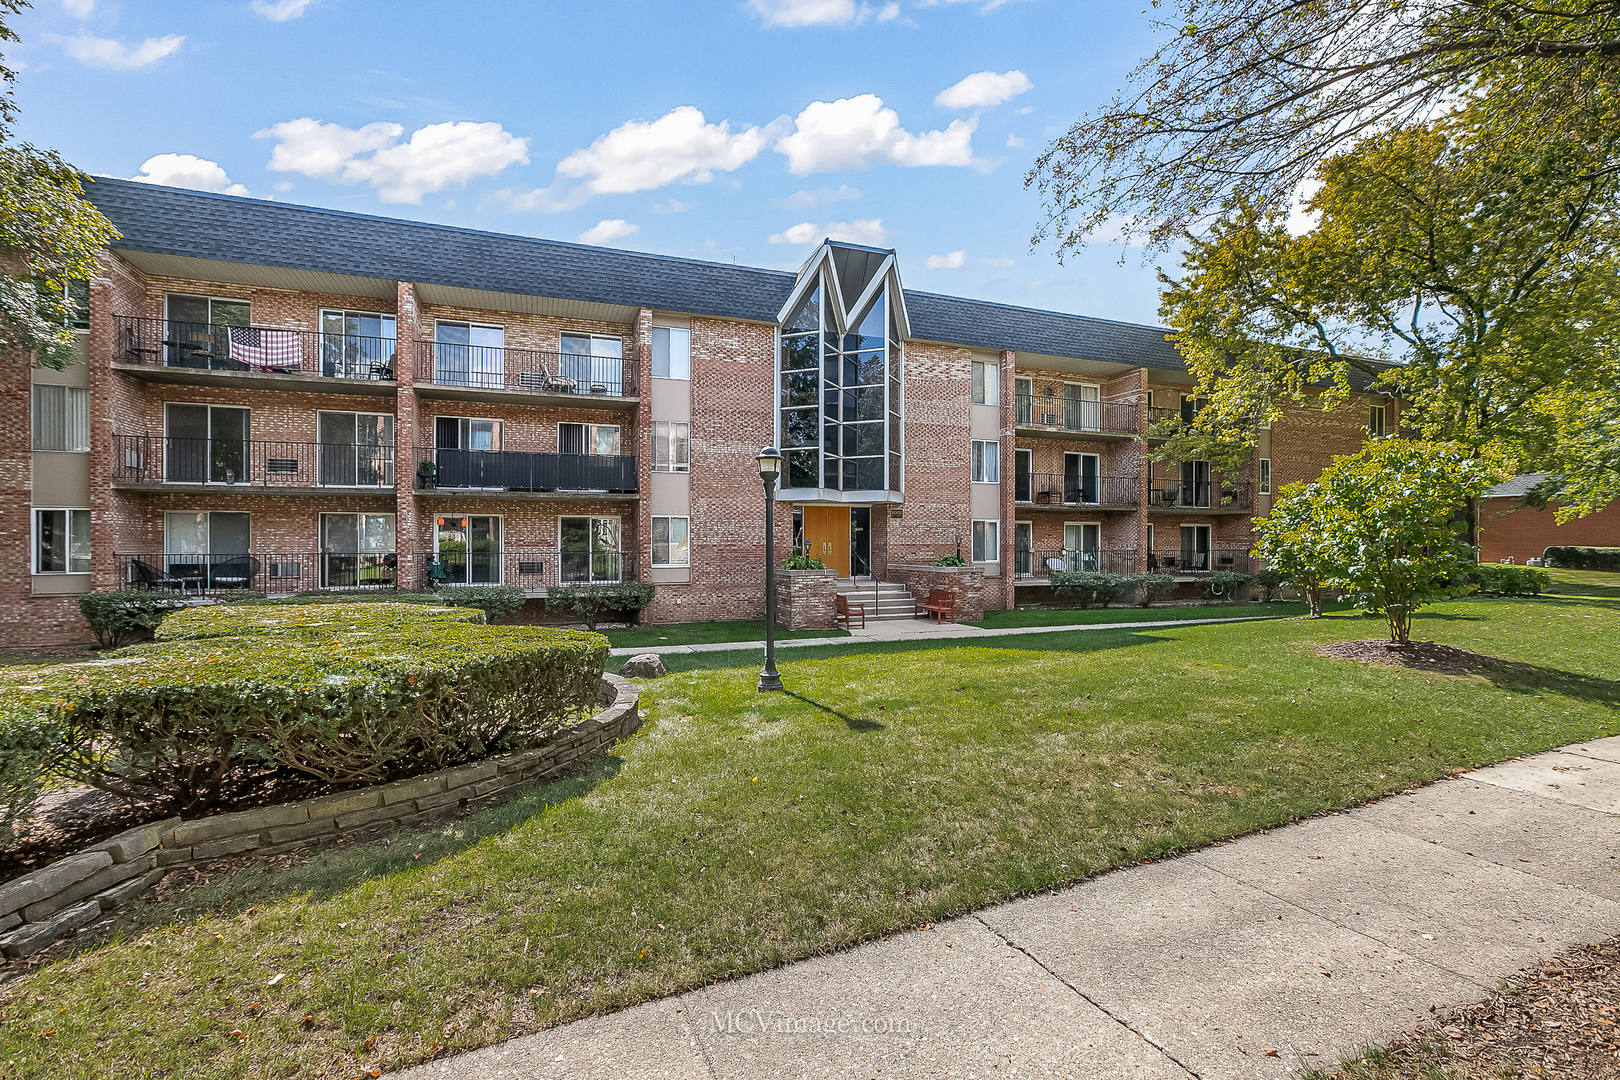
(826,533)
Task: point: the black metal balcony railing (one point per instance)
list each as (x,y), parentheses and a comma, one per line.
(527,568)
(1069,414)
(151,459)
(265,349)
(210,573)
(1156,417)
(518,470)
(1192,561)
(1059,489)
(488,367)
(1171,494)
(1041,564)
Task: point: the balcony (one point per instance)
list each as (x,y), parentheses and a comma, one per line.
(532,570)
(522,473)
(150,461)
(491,373)
(1185,561)
(201,574)
(1205,497)
(1049,416)
(212,354)
(1059,490)
(1032,566)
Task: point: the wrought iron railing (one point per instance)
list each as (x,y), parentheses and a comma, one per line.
(518,470)
(152,459)
(265,349)
(1039,564)
(1193,561)
(1083,417)
(210,573)
(1060,489)
(489,367)
(526,568)
(1170,494)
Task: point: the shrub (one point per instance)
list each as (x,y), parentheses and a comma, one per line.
(801,561)
(1227,585)
(495,601)
(1154,587)
(30,750)
(1270,583)
(356,694)
(1510,580)
(950,560)
(592,602)
(122,618)
(1583,558)
(1089,587)
(237,597)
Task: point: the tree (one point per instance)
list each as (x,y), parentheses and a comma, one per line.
(49,234)
(1294,540)
(1247,97)
(1381,524)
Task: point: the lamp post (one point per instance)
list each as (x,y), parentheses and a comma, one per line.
(770,467)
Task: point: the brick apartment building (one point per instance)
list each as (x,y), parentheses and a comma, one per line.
(285,398)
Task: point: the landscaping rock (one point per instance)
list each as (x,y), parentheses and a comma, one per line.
(644,666)
(131,845)
(101,879)
(50,880)
(35,936)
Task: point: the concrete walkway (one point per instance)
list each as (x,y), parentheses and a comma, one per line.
(1305,943)
(922,630)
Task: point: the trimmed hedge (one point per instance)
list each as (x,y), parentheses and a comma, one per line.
(1583,558)
(593,602)
(1504,580)
(1089,587)
(349,694)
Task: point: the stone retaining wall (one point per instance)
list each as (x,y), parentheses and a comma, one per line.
(966,583)
(43,906)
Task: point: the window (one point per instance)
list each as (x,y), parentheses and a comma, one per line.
(672,353)
(1024,401)
(1024,475)
(61,418)
(357,345)
(357,551)
(590,549)
(75,303)
(986,383)
(464,452)
(356,449)
(468,550)
(1082,407)
(1265,476)
(205,444)
(1082,545)
(198,330)
(986,462)
(592,362)
(207,549)
(1195,483)
(670,446)
(601,439)
(1195,547)
(469,354)
(1375,422)
(61,541)
(1081,478)
(669,542)
(986,541)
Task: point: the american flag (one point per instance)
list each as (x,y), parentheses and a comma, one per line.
(258,348)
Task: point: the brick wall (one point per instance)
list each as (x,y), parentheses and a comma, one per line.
(805,599)
(939,452)
(1508,528)
(966,583)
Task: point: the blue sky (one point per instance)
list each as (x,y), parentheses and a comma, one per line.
(736,130)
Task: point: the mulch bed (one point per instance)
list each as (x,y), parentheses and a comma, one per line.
(1559,1019)
(1419,655)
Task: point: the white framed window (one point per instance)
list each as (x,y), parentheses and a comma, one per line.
(671,353)
(469,354)
(589,550)
(467,549)
(1375,422)
(986,462)
(61,418)
(357,344)
(1265,476)
(357,551)
(671,446)
(62,541)
(986,383)
(466,433)
(205,444)
(987,541)
(590,361)
(670,541)
(599,439)
(1082,545)
(76,295)
(356,449)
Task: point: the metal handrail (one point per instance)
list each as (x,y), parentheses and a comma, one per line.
(1169,493)
(274,350)
(273,572)
(537,371)
(155,459)
(1042,563)
(1060,489)
(526,568)
(1068,414)
(1192,561)
(523,470)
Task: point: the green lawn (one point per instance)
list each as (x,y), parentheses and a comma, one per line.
(996,620)
(707,633)
(894,786)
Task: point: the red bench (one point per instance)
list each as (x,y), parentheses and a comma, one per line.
(941,604)
(843,611)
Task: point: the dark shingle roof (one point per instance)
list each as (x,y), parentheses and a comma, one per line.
(170,221)
(1517,487)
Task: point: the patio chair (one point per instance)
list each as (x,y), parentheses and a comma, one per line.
(145,576)
(237,573)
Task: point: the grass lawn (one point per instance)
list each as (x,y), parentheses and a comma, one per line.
(707,633)
(894,786)
(996,620)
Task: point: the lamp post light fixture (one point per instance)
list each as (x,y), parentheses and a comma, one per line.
(770,468)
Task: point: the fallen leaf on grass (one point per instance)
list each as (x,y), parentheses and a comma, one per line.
(1269,1051)
(277,977)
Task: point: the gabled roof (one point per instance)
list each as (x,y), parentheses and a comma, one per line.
(226,228)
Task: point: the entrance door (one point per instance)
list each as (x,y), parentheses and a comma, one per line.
(1023,544)
(826,533)
(1082,546)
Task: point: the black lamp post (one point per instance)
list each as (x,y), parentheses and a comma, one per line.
(770,467)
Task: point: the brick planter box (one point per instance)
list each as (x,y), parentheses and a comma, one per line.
(39,908)
(966,583)
(805,599)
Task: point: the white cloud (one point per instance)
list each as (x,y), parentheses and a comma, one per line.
(283,185)
(983,89)
(111,53)
(710,245)
(985,6)
(889,12)
(673,206)
(862,231)
(952,261)
(1034,284)
(852,134)
(987,261)
(188,171)
(680,145)
(822,12)
(1026,110)
(1014,142)
(607,230)
(81,9)
(821,196)
(280,10)
(436,156)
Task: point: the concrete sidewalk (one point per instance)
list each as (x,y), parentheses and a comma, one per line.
(920,630)
(1307,942)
